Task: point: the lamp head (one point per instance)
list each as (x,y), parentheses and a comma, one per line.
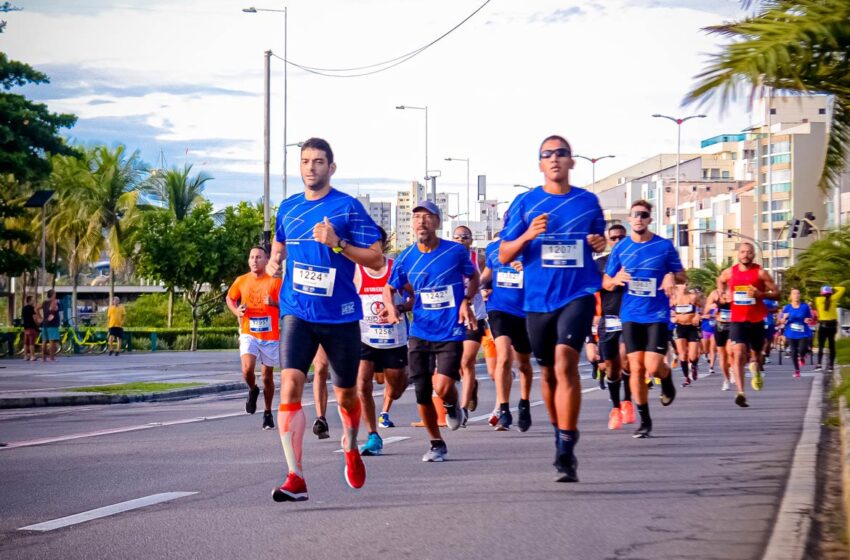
(251,10)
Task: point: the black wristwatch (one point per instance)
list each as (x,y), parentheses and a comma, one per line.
(340,245)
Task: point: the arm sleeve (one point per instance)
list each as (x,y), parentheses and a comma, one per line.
(839,293)
(398,276)
(674,263)
(362,230)
(598,224)
(234,292)
(613,265)
(514,223)
(279,231)
(465,261)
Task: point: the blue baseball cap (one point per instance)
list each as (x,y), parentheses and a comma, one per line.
(429,207)
(826,290)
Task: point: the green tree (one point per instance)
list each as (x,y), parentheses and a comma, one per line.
(791,45)
(116,181)
(180,192)
(186,255)
(28,131)
(705,278)
(826,261)
(242,228)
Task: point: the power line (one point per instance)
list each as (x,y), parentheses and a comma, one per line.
(381,66)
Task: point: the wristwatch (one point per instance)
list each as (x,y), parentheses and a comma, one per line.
(340,246)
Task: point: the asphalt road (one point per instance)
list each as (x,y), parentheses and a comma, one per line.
(707,485)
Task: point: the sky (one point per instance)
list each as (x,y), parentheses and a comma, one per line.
(182,82)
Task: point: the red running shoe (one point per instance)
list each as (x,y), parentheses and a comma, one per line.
(293,490)
(355,470)
(627,410)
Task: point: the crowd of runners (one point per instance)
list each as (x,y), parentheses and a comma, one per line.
(326,299)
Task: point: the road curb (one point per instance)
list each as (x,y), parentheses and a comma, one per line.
(97,398)
(844,415)
(793,523)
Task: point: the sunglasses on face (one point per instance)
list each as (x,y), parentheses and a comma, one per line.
(557,152)
(617,237)
(464,237)
(642,214)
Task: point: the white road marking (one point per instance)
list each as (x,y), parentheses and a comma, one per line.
(387,441)
(105,511)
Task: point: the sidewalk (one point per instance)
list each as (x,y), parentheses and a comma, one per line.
(28,384)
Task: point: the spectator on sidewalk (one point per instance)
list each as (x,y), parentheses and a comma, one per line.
(51,310)
(115,316)
(31,320)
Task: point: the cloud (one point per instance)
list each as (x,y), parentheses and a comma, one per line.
(558,16)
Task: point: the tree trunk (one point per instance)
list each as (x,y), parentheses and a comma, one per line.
(170,306)
(194,302)
(111,282)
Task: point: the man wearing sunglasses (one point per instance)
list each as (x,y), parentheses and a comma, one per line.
(611,347)
(555,228)
(472,342)
(650,267)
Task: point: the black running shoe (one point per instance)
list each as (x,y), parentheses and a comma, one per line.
(268,421)
(320,428)
(643,431)
(668,391)
(251,403)
(566,466)
(505,421)
(523,423)
(741,400)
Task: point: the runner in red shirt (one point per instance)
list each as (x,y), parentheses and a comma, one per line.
(746,286)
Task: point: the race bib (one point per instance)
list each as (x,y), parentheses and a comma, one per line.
(313,280)
(643,287)
(725,315)
(260,324)
(437,298)
(382,334)
(797,327)
(684,308)
(740,297)
(507,277)
(613,323)
(562,254)
(712,322)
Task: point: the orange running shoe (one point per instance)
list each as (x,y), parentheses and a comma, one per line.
(627,411)
(615,421)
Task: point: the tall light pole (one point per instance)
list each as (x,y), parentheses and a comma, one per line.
(253,10)
(425,108)
(593,167)
(468,205)
(679,122)
(526,187)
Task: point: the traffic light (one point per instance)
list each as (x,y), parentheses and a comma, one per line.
(794,227)
(805,228)
(728,234)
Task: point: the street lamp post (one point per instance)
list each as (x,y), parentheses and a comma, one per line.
(526,187)
(468,193)
(679,122)
(425,108)
(253,10)
(593,168)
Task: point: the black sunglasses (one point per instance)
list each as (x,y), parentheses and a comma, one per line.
(558,152)
(642,214)
(617,237)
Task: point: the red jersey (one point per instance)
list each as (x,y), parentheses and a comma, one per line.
(746,309)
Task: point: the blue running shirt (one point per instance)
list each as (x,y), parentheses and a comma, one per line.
(560,260)
(437,280)
(647,262)
(508,284)
(319,284)
(795,326)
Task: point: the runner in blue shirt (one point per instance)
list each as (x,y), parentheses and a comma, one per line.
(322,233)
(555,228)
(769,329)
(433,270)
(795,316)
(506,295)
(649,266)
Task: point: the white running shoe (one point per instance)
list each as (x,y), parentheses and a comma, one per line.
(725,386)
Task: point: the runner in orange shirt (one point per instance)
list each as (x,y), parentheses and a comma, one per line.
(253,298)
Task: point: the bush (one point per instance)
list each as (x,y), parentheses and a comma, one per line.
(210,341)
(151,310)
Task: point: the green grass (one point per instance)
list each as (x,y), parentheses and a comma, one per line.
(842,351)
(139,388)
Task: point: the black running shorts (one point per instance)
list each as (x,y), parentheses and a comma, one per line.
(646,337)
(384,358)
(476,334)
(751,334)
(721,336)
(301,339)
(609,345)
(425,356)
(507,324)
(569,325)
(688,332)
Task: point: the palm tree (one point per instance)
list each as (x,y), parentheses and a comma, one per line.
(116,182)
(787,45)
(71,226)
(705,278)
(826,261)
(180,192)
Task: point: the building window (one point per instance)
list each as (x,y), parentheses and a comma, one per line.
(724,174)
(772,111)
(821,111)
